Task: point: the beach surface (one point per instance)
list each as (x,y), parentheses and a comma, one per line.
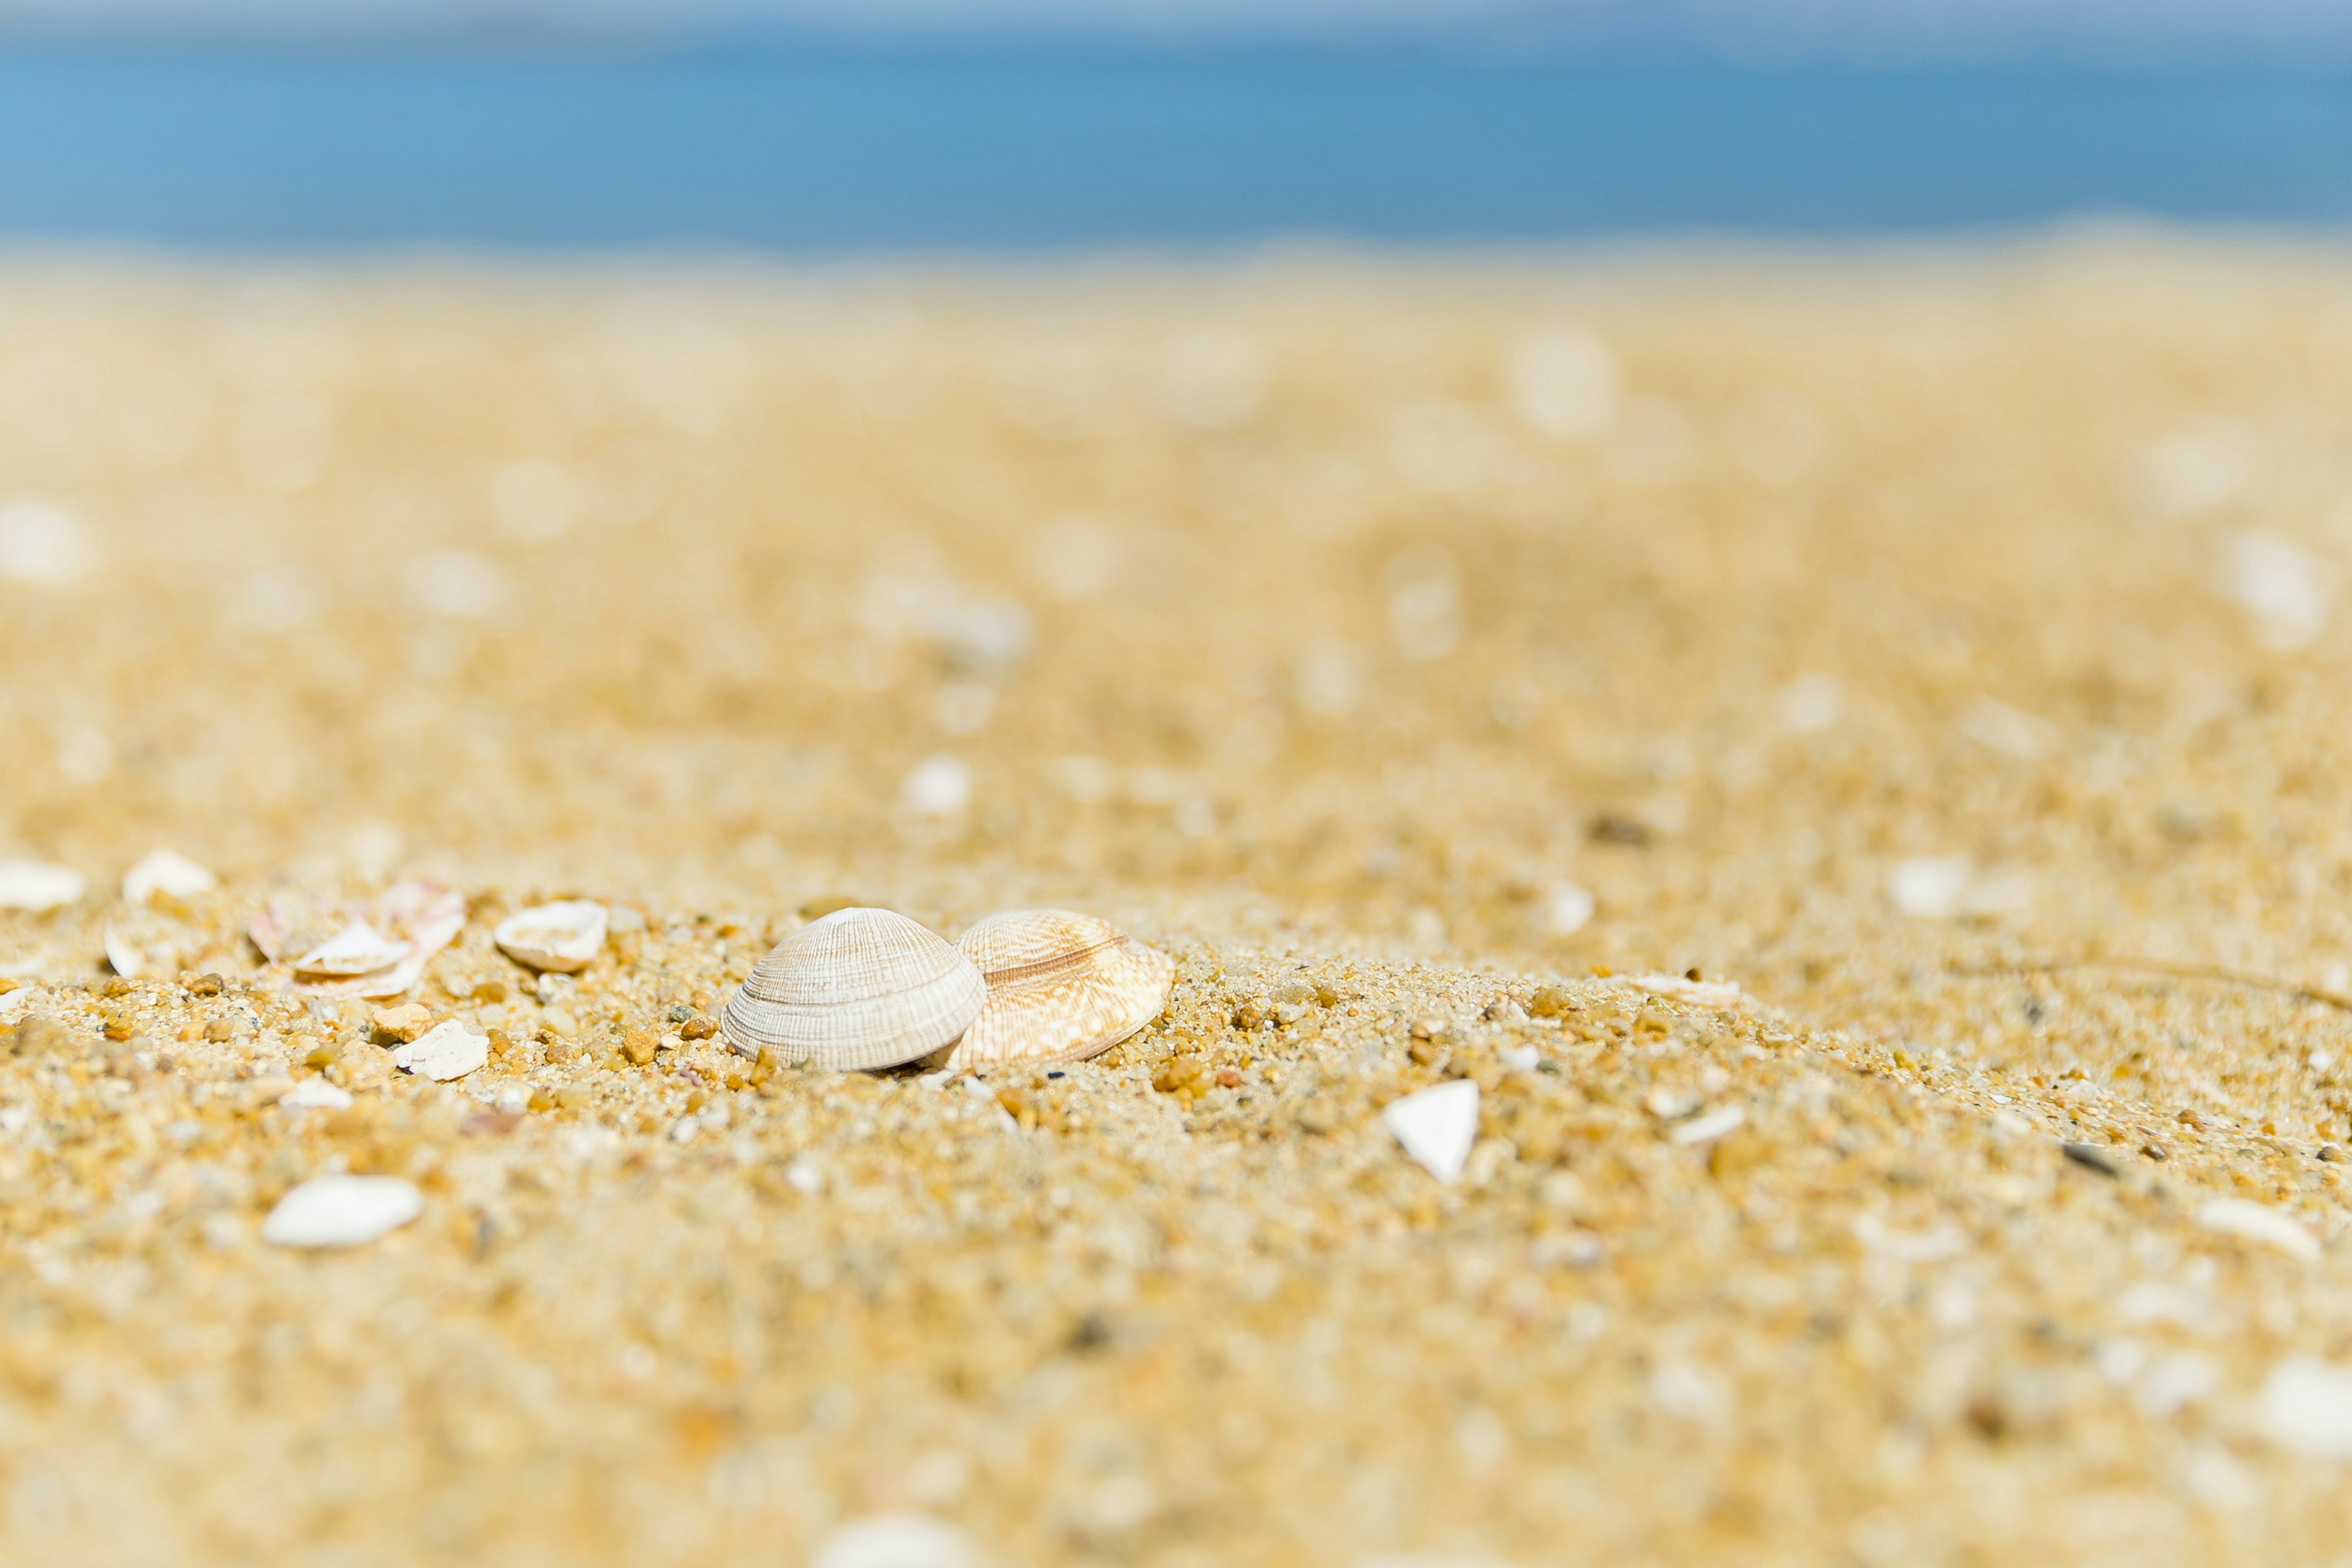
(1847,753)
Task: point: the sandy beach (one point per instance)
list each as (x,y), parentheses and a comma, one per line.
(1847,752)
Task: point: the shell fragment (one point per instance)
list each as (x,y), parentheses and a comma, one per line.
(449,1050)
(1437,1126)
(562,937)
(341,1210)
(38,886)
(168,872)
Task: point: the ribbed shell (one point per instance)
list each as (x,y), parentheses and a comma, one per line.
(1061,988)
(859,988)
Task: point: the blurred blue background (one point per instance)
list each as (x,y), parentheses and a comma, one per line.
(820,128)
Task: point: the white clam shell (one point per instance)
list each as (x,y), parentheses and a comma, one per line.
(146,945)
(860,988)
(563,936)
(1061,988)
(446,1051)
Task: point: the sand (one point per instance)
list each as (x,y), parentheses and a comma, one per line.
(1936,652)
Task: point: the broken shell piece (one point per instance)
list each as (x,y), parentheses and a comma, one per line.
(560,936)
(410,922)
(168,872)
(341,1210)
(859,988)
(449,1051)
(38,886)
(1061,988)
(1437,1126)
(357,949)
(146,945)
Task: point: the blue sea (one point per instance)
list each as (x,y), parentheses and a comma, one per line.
(832,151)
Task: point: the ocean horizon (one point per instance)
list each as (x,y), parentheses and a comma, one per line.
(834,150)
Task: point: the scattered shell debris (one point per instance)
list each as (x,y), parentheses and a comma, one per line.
(1503,706)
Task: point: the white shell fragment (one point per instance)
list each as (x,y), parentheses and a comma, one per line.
(562,937)
(377,949)
(1709,1127)
(341,1210)
(146,944)
(2306,1405)
(446,1051)
(859,988)
(896,1540)
(358,948)
(1061,988)
(38,886)
(168,872)
(1437,1126)
(2258,1222)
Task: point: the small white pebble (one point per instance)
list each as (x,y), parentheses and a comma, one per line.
(896,1540)
(1931,887)
(317,1094)
(805,1175)
(1520,1058)
(1567,908)
(1810,704)
(939,787)
(341,1210)
(44,543)
(1437,1126)
(2281,586)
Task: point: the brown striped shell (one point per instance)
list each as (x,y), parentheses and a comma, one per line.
(1061,988)
(860,988)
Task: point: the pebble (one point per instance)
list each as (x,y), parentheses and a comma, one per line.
(1568,909)
(896,1540)
(341,1210)
(2257,1222)
(451,1051)
(404,1023)
(2306,1405)
(939,787)
(316,1094)
(1437,1126)
(168,872)
(37,886)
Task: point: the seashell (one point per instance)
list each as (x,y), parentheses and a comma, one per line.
(358,948)
(1437,1127)
(378,950)
(1061,988)
(561,936)
(859,988)
(341,1210)
(38,886)
(147,945)
(165,872)
(449,1051)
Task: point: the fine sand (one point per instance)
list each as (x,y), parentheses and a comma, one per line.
(1934,647)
